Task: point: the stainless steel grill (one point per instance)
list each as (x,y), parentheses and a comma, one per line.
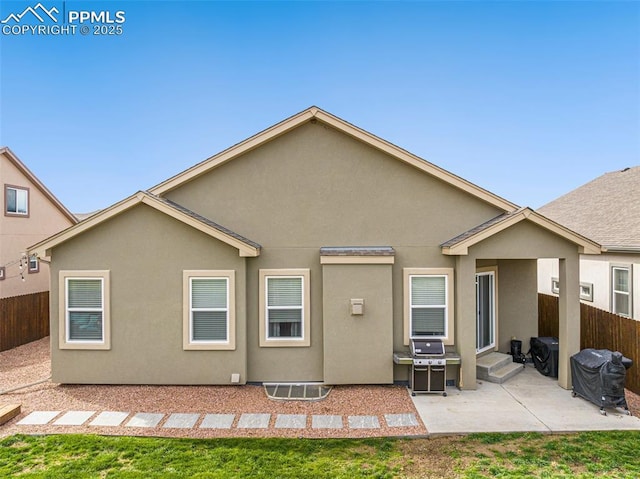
(429,368)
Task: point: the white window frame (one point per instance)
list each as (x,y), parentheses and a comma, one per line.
(586,289)
(63,339)
(586,292)
(33,265)
(614,291)
(188,343)
(305,339)
(447,273)
(18,190)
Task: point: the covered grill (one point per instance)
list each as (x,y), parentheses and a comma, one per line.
(429,367)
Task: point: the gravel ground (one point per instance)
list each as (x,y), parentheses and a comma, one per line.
(30,363)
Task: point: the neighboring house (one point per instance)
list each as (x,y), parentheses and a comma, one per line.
(309,252)
(606,210)
(30,214)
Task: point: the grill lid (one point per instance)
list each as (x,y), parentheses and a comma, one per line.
(427,347)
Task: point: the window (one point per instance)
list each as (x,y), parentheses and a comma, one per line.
(209,310)
(621,290)
(284,307)
(34,264)
(428,303)
(2,272)
(586,289)
(84,310)
(16,201)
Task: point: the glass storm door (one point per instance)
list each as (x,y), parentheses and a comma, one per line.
(485,311)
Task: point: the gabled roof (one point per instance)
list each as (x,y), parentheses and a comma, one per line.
(460,244)
(316,114)
(244,246)
(606,209)
(38,184)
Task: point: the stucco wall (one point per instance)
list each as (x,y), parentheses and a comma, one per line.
(517,303)
(317,187)
(146,253)
(357,349)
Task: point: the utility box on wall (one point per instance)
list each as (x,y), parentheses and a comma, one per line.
(357,307)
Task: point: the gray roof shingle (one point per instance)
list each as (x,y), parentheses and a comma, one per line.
(606,209)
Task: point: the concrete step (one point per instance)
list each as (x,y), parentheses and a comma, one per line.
(496,367)
(505,373)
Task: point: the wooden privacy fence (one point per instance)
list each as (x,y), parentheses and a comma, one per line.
(598,329)
(23,319)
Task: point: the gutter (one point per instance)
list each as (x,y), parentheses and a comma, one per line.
(621,249)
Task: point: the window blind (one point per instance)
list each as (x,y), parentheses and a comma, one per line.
(209,309)
(84,306)
(209,293)
(428,291)
(209,326)
(284,291)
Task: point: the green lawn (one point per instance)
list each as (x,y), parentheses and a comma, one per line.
(597,454)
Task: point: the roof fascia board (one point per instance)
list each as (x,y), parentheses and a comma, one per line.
(233,152)
(34,179)
(345,127)
(462,248)
(44,248)
(244,249)
(585,246)
(413,160)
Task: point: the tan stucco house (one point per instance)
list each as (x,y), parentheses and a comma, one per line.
(311,251)
(606,209)
(30,213)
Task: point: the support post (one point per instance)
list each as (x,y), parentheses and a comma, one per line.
(569,317)
(465,322)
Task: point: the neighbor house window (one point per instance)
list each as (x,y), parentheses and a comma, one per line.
(284,307)
(16,201)
(2,272)
(428,297)
(621,290)
(34,264)
(209,310)
(586,289)
(84,308)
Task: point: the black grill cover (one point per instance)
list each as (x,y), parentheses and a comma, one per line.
(544,352)
(598,375)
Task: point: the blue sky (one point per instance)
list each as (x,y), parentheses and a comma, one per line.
(526,99)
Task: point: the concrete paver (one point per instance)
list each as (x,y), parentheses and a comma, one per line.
(73,418)
(145,419)
(401,420)
(109,418)
(180,420)
(291,421)
(38,417)
(364,422)
(217,421)
(254,421)
(321,421)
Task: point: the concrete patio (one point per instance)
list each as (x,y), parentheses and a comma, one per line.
(527,402)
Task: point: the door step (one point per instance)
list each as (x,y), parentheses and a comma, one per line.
(497,367)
